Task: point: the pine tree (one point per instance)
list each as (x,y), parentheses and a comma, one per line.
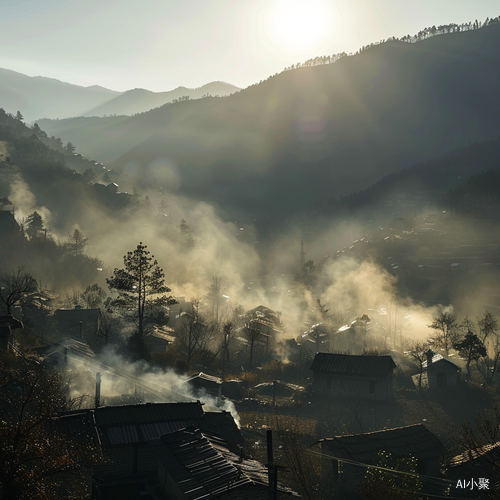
(140,285)
(76,242)
(34,225)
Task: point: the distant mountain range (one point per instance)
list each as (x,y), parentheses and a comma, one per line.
(294,142)
(40,97)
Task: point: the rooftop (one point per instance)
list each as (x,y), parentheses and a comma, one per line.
(349,364)
(414,440)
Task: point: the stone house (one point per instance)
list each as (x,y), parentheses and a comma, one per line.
(369,377)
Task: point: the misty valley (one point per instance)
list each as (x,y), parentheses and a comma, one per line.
(286,290)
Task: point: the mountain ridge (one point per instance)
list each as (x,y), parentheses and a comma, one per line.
(45,97)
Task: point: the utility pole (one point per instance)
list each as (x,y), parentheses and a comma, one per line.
(272,473)
(302,258)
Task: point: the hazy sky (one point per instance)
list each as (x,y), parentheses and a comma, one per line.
(162,44)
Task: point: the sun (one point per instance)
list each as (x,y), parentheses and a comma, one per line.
(300,24)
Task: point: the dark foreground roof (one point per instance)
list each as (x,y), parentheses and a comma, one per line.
(204,466)
(414,440)
(128,424)
(349,364)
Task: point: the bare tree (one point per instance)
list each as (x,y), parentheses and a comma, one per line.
(489,364)
(192,333)
(417,352)
(302,468)
(14,287)
(447,332)
(481,445)
(488,326)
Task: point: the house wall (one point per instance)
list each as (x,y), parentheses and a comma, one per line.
(436,372)
(344,385)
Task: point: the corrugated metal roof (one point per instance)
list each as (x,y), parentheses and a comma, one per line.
(349,364)
(203,466)
(414,440)
(122,425)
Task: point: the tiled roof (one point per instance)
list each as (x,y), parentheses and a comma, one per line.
(488,451)
(349,364)
(414,440)
(204,467)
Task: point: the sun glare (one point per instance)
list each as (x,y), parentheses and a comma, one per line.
(300,24)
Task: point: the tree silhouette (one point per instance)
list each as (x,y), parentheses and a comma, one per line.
(140,285)
(34,225)
(447,332)
(76,242)
(14,287)
(471,349)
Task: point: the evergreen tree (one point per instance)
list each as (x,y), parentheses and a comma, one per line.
(471,349)
(140,285)
(34,225)
(76,243)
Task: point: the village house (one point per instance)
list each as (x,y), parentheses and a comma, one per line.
(158,340)
(124,431)
(80,324)
(344,458)
(438,372)
(206,384)
(346,375)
